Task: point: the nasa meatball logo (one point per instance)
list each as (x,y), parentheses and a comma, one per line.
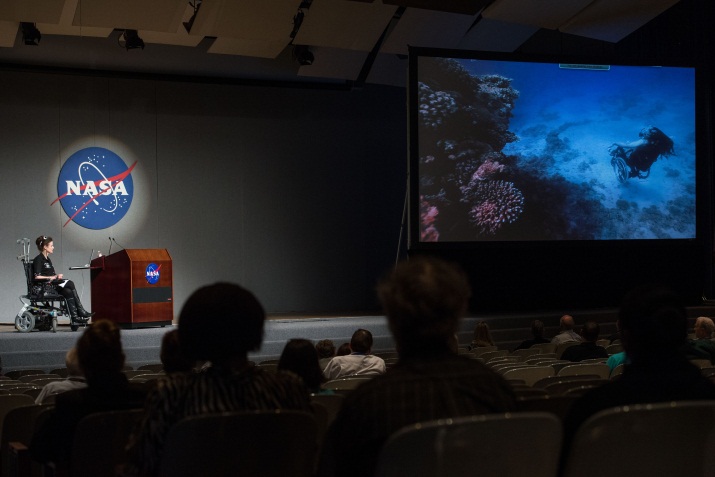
(95,188)
(152,273)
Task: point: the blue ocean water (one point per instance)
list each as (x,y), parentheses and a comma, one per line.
(566,119)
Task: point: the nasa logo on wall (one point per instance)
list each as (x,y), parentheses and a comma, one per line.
(152,273)
(95,188)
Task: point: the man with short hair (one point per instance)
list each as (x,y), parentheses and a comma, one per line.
(588,349)
(359,361)
(424,300)
(566,325)
(75,379)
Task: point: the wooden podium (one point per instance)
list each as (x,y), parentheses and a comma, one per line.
(133,288)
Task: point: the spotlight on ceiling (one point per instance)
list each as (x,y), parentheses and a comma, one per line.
(30,34)
(303,55)
(195,4)
(132,40)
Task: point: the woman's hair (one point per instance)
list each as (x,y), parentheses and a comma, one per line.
(482,334)
(343,350)
(325,348)
(658,138)
(99,350)
(41,241)
(537,328)
(300,357)
(220,322)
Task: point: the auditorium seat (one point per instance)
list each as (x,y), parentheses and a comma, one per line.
(601,370)
(17,430)
(23,372)
(617,371)
(265,444)
(545,347)
(530,375)
(486,356)
(346,384)
(614,348)
(566,386)
(561,347)
(100,440)
(674,438)
(332,403)
(505,445)
(154,368)
(543,383)
(525,353)
(557,405)
(33,377)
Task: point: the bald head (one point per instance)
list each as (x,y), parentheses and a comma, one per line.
(566,323)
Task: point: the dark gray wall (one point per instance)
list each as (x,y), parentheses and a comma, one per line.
(295,193)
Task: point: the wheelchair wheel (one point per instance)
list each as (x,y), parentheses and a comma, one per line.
(54,324)
(25,322)
(74,327)
(620,168)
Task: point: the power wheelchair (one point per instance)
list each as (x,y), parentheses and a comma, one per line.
(42,304)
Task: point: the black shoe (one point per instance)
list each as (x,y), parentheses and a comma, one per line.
(80,309)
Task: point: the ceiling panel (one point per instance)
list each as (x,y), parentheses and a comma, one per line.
(345,25)
(467,7)
(543,13)
(246,19)
(8,33)
(66,24)
(427,28)
(248,47)
(179,38)
(155,15)
(334,63)
(495,35)
(34,11)
(613,20)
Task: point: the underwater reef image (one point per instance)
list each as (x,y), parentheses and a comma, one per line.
(527,151)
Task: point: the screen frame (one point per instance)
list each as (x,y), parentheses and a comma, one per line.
(552,260)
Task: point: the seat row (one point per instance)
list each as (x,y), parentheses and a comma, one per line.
(655,439)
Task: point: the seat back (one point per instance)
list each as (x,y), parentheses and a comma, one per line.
(251,444)
(599,369)
(674,438)
(19,426)
(530,375)
(100,440)
(505,445)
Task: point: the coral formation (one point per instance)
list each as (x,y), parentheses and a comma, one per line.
(496,203)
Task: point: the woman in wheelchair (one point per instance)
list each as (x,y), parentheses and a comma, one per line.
(42,269)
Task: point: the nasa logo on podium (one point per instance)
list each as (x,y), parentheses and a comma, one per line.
(95,188)
(152,273)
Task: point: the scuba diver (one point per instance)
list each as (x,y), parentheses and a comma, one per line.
(634,159)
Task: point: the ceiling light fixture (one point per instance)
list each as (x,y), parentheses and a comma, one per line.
(30,34)
(132,40)
(303,55)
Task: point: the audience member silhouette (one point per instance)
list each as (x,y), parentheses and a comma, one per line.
(537,331)
(326,351)
(482,336)
(359,361)
(74,380)
(231,383)
(588,349)
(300,357)
(566,324)
(100,355)
(343,350)
(654,327)
(704,328)
(424,300)
(173,360)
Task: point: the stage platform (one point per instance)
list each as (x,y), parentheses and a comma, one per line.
(46,350)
